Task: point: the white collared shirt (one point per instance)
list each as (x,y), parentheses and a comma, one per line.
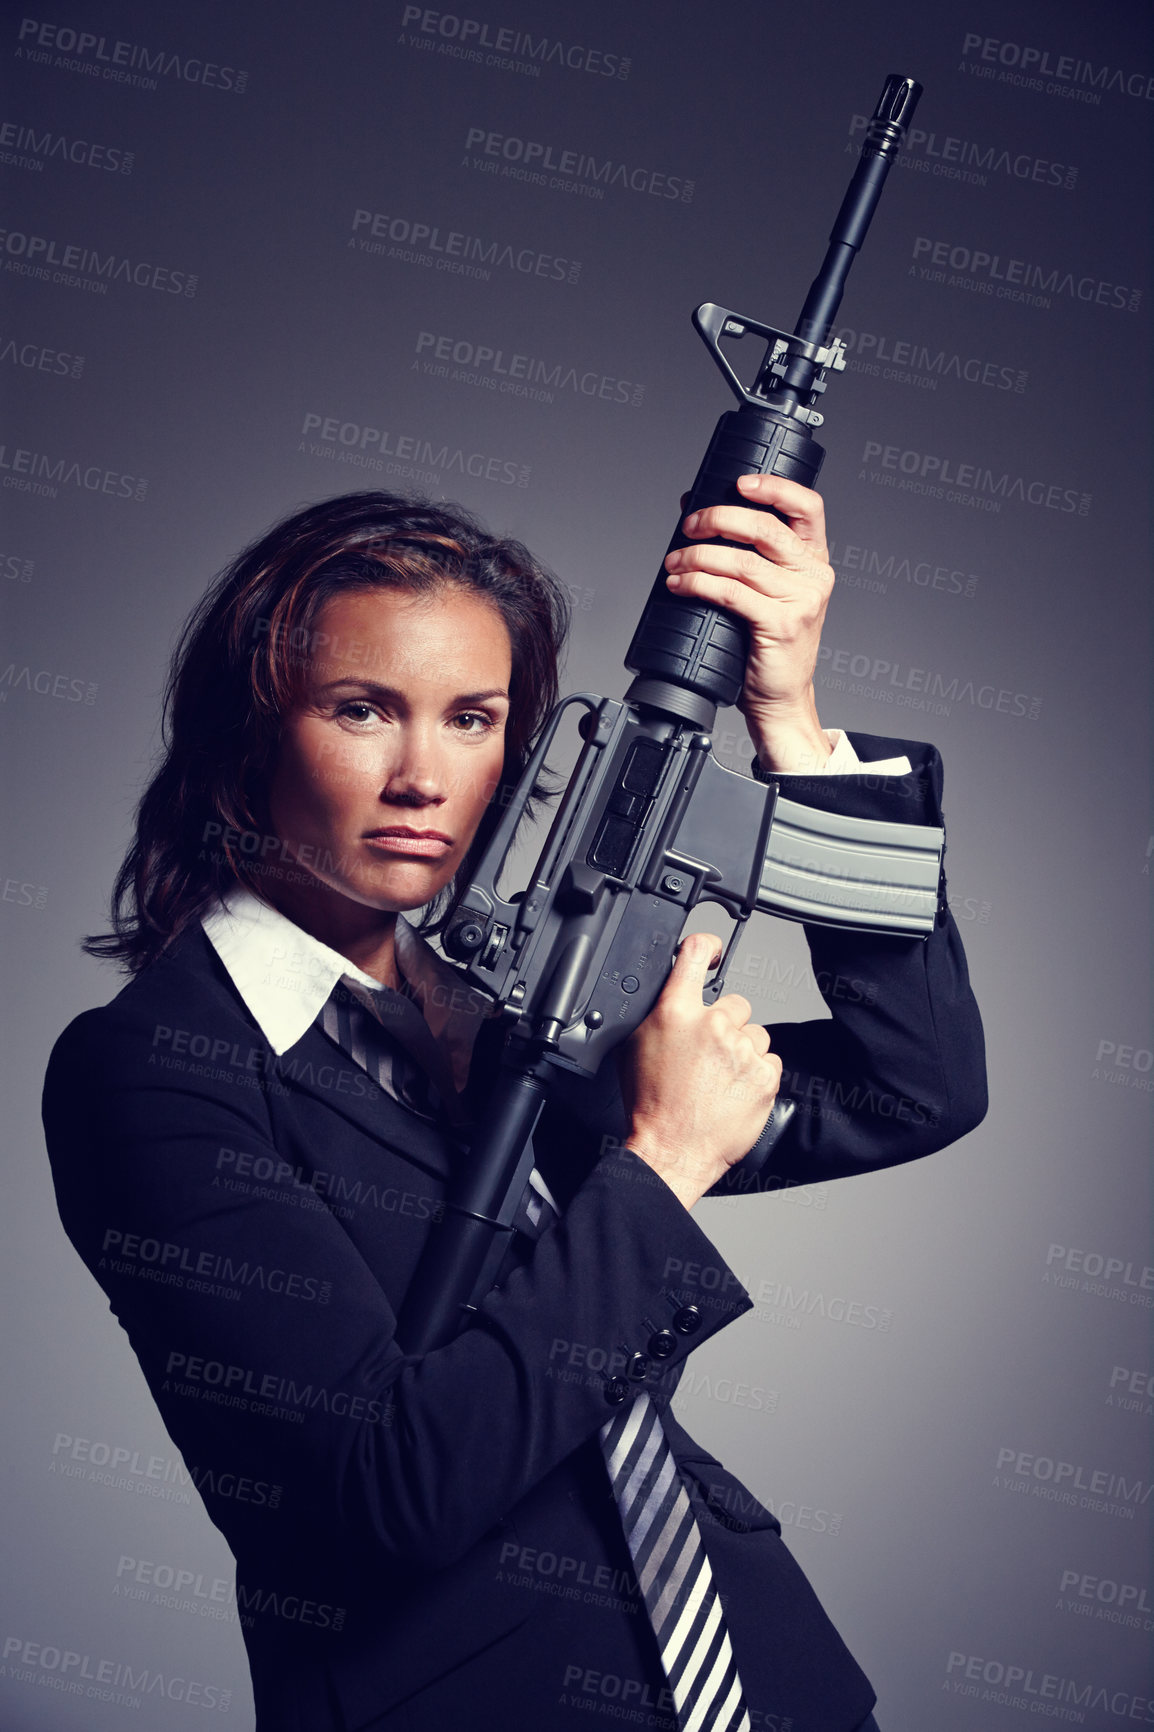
(285,977)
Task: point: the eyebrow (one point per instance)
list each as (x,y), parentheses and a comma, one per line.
(382,691)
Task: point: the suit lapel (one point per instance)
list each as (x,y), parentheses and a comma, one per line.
(316,1069)
(320,1070)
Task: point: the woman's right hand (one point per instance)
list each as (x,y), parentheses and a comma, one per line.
(698,1080)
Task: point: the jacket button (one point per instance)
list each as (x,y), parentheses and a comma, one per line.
(687,1321)
(662,1344)
(616,1391)
(638,1367)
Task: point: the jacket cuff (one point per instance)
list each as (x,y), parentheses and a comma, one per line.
(682,1293)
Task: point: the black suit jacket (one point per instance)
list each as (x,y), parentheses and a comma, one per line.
(429,1542)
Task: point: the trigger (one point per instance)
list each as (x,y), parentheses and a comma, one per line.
(713,988)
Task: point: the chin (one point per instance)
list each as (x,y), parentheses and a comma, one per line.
(401,893)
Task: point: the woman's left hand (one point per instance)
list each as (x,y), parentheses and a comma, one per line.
(780,584)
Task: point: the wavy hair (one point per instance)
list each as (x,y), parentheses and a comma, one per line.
(239,668)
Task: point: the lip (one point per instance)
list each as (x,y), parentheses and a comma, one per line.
(395,839)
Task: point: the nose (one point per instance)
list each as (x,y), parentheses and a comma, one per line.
(416,773)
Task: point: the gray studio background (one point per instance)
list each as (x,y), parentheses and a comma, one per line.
(946,1388)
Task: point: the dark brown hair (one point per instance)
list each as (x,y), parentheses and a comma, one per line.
(202,826)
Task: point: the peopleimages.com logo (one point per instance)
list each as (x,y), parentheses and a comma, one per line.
(1046,70)
(943,477)
(412,454)
(40,358)
(427,243)
(1011,1685)
(27,147)
(892,681)
(44,474)
(949,157)
(123,62)
(1011,279)
(511,373)
(50,260)
(1074,1483)
(505,48)
(867,568)
(101,1679)
(536,161)
(910,362)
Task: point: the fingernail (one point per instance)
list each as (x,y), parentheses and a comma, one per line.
(748,483)
(691,522)
(673,580)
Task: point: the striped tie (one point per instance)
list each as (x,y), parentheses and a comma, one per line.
(669,1555)
(673,1571)
(385,1034)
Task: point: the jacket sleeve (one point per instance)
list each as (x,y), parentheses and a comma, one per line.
(268,1339)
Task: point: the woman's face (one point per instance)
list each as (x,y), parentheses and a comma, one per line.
(385,768)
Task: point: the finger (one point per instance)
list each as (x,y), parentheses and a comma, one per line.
(801,506)
(760,1079)
(773,1063)
(737,1009)
(758,1038)
(724,592)
(698,954)
(775,579)
(763,530)
(782,616)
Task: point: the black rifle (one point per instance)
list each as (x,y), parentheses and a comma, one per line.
(650,824)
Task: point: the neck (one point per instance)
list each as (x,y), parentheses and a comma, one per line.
(363,935)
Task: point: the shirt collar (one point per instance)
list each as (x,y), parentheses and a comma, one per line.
(285,976)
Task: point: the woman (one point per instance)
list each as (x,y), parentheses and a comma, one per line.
(252,1142)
